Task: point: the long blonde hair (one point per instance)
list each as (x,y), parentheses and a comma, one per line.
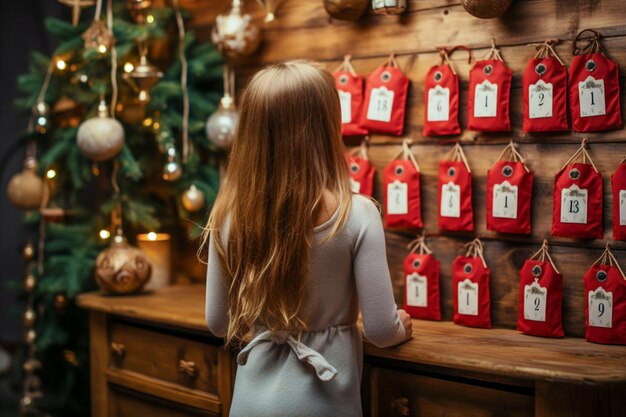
(286,153)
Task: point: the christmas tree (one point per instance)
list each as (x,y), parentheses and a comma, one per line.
(116,146)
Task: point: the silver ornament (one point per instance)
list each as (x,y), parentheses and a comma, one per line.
(234,33)
(193,199)
(221,125)
(100,138)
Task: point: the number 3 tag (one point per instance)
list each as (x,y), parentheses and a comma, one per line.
(574,205)
(416,295)
(468,297)
(600,308)
(485,99)
(381,104)
(535,297)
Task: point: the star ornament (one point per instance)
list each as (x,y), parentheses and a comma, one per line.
(77,6)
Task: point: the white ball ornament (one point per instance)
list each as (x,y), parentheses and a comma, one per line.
(221,125)
(102,137)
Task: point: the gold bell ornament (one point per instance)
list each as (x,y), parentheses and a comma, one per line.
(143,76)
(122,268)
(101,137)
(486,9)
(388,6)
(346,9)
(25,189)
(234,33)
(221,125)
(192,199)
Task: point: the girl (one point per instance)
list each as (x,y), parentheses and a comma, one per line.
(293,254)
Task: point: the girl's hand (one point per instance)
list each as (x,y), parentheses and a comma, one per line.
(407,323)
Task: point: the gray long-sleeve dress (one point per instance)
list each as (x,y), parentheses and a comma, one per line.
(319,374)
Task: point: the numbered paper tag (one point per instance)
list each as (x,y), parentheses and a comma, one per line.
(600,308)
(505,200)
(574,205)
(535,298)
(381,104)
(345,100)
(438,104)
(416,295)
(591,95)
(468,297)
(355,185)
(540,100)
(622,207)
(450,200)
(397,198)
(486,99)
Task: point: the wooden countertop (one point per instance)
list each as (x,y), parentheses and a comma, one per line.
(501,352)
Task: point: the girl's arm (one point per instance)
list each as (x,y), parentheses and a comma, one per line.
(216,293)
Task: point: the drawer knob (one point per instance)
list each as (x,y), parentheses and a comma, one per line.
(402,405)
(188,368)
(118,349)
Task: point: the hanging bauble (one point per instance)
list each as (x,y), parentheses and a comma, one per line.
(41,116)
(98,36)
(100,138)
(29,317)
(486,9)
(25,189)
(28,251)
(122,268)
(346,9)
(193,199)
(143,77)
(221,125)
(234,33)
(131,110)
(30,282)
(67,112)
(139,10)
(388,6)
(77,6)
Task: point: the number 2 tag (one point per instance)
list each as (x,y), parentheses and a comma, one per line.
(381,104)
(591,95)
(416,295)
(468,297)
(535,297)
(397,198)
(540,100)
(485,99)
(451,200)
(574,205)
(505,200)
(345,100)
(600,308)
(438,104)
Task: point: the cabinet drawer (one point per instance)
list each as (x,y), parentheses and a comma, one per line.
(128,403)
(173,359)
(402,394)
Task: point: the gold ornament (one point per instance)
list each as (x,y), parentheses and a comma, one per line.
(30,282)
(486,9)
(131,111)
(100,138)
(121,268)
(193,199)
(77,6)
(67,112)
(28,251)
(143,77)
(234,33)
(30,337)
(25,189)
(98,37)
(41,111)
(139,10)
(29,317)
(346,9)
(388,6)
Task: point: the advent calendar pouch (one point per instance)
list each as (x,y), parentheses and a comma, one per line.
(455,192)
(618,184)
(470,288)
(544,88)
(421,282)
(577,210)
(489,94)
(385,99)
(441,96)
(509,193)
(540,296)
(594,87)
(401,188)
(361,170)
(605,301)
(350,89)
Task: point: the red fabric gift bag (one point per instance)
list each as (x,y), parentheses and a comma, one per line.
(544,87)
(594,88)
(421,282)
(470,288)
(509,193)
(385,99)
(489,94)
(441,96)
(361,170)
(618,184)
(540,296)
(350,89)
(401,188)
(577,209)
(455,192)
(605,299)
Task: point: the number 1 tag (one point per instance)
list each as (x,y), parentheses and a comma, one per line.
(622,207)
(600,308)
(574,205)
(505,201)
(535,297)
(450,200)
(345,100)
(397,198)
(381,104)
(355,186)
(485,99)
(438,104)
(591,96)
(416,295)
(468,297)
(540,100)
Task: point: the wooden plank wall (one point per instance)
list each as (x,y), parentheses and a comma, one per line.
(304,30)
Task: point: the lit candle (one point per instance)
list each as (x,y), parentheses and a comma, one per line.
(157,247)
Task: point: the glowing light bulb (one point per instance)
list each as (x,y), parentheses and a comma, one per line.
(104,234)
(102,48)
(128,67)
(143,95)
(152,236)
(51,173)
(150,18)
(156,125)
(147,121)
(61,65)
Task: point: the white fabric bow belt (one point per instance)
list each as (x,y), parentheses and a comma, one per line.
(323,370)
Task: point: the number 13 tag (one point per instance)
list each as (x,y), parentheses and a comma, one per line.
(535,297)
(600,308)
(574,205)
(468,297)
(416,295)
